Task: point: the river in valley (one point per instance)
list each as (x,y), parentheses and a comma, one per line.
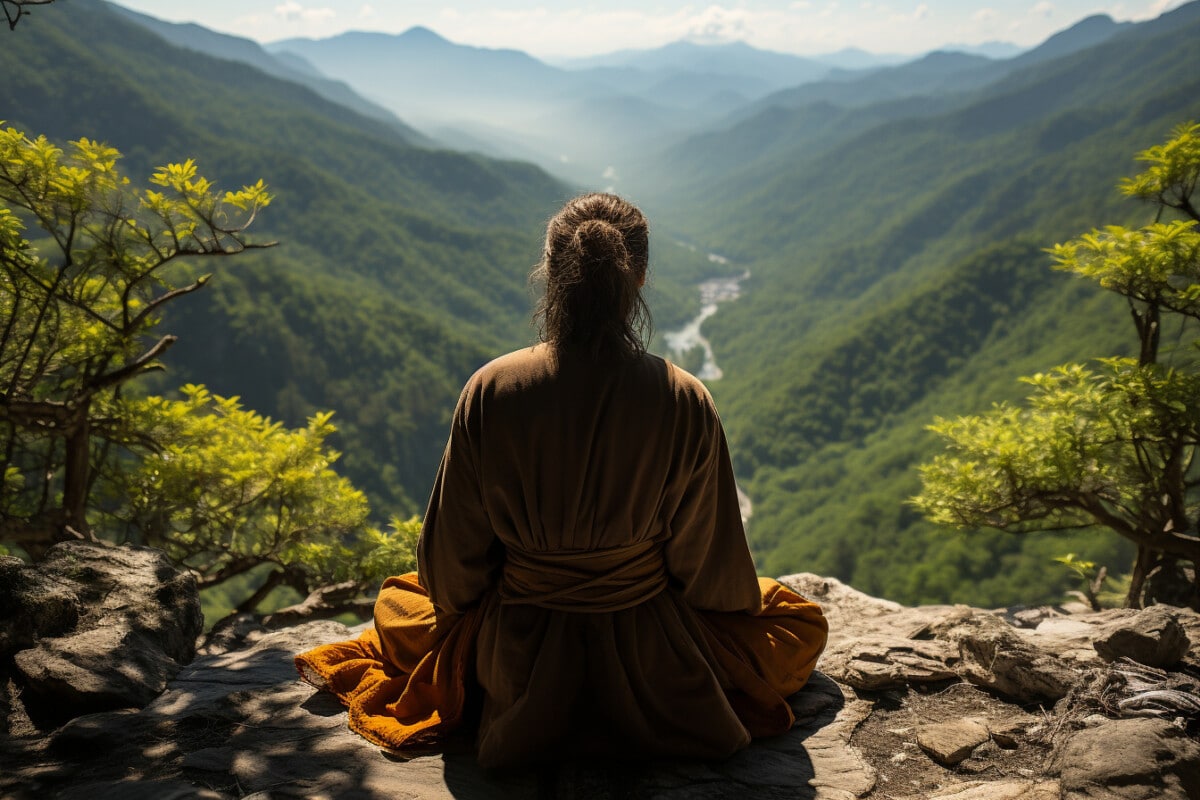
(685,340)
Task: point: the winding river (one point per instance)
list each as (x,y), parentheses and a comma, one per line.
(679,342)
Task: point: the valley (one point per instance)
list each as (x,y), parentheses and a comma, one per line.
(881,227)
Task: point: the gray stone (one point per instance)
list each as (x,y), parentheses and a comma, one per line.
(1129,759)
(1029,617)
(995,657)
(33,605)
(134,619)
(951,743)
(133,587)
(875,663)
(1154,637)
(93,735)
(1006,733)
(104,668)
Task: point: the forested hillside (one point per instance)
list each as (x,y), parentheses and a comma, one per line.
(894,226)
(898,274)
(400,269)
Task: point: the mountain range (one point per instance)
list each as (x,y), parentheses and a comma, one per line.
(892,218)
(580,118)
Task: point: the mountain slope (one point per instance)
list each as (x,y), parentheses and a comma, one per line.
(233,48)
(400,268)
(578,122)
(896,275)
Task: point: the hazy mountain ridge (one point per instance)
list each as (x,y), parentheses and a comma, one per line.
(289,67)
(648,98)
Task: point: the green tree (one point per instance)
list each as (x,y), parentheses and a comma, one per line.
(223,490)
(1111,446)
(79,324)
(220,488)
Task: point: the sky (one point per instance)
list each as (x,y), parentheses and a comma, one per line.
(553,30)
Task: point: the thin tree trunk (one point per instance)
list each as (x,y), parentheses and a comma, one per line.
(249,605)
(76,479)
(1141,568)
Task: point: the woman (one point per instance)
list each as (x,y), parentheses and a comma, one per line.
(582,561)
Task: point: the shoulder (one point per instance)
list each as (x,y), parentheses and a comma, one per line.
(515,368)
(688,388)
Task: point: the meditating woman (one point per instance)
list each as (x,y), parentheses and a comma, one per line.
(582,568)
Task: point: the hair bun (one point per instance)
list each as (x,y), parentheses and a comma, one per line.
(599,243)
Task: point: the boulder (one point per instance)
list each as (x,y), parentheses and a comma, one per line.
(33,605)
(107,627)
(1153,636)
(874,662)
(994,656)
(1129,759)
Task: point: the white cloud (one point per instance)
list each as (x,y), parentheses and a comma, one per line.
(921,11)
(366,11)
(292,11)
(984,15)
(1161,6)
(1042,9)
(718,24)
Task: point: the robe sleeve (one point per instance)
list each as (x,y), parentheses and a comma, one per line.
(458,554)
(707,553)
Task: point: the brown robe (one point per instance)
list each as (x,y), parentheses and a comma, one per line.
(583,560)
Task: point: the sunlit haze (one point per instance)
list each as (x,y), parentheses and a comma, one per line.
(555,30)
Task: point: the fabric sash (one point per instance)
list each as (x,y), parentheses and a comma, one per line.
(587,581)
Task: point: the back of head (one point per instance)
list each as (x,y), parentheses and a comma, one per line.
(593,265)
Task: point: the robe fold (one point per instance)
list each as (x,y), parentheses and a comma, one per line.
(583,563)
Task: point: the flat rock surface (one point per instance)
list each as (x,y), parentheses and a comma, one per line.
(240,724)
(949,743)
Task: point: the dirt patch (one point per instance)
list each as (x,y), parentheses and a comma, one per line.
(888,739)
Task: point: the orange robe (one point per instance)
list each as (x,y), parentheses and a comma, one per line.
(583,563)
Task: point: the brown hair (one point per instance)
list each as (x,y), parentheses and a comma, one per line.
(593,265)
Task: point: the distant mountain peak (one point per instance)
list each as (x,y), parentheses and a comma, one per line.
(1086,33)
(709,44)
(419,33)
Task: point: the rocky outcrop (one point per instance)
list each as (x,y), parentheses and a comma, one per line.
(925,703)
(93,627)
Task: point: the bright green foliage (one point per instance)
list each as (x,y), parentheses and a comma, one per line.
(79,309)
(1088,448)
(220,488)
(1157,264)
(1174,169)
(224,488)
(1091,578)
(1111,447)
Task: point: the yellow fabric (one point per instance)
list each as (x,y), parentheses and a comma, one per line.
(404,681)
(584,570)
